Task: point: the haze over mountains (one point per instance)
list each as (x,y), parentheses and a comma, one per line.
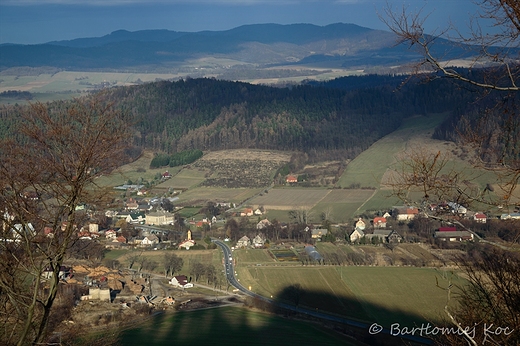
(339,45)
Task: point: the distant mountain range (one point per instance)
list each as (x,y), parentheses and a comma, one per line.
(261,45)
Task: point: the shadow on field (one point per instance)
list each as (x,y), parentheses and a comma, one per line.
(294,318)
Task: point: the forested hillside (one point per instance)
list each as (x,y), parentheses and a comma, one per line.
(209,114)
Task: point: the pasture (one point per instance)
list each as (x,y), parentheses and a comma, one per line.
(370,166)
(385,295)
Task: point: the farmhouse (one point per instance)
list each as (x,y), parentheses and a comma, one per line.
(259,241)
(405,213)
(263,224)
(180,281)
(360,224)
(317,233)
(379,222)
(110,234)
(480,217)
(243,242)
(291,179)
(150,241)
(356,235)
(247,212)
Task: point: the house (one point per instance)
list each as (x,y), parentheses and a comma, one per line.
(291,179)
(512,216)
(457,208)
(150,240)
(405,213)
(20,231)
(394,237)
(388,236)
(317,233)
(160,218)
(132,204)
(136,218)
(121,239)
(360,224)
(187,244)
(356,235)
(180,281)
(166,175)
(64,273)
(379,222)
(263,224)
(243,242)
(258,212)
(246,212)
(110,234)
(454,236)
(480,217)
(259,241)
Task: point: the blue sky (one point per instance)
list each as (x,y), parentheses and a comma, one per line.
(39,21)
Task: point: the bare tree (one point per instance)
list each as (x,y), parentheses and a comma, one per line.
(492,130)
(45,173)
(491,50)
(489,301)
(172,264)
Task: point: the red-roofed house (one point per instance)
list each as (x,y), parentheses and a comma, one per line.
(447,229)
(180,281)
(480,217)
(406,213)
(247,212)
(379,222)
(291,179)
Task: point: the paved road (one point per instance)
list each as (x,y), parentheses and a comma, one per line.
(230,275)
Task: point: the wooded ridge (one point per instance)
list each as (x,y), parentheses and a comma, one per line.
(340,118)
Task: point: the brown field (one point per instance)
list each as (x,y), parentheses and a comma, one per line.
(201,195)
(288,199)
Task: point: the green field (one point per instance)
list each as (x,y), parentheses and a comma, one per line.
(385,295)
(184,179)
(228,326)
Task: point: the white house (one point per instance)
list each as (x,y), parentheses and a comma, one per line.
(150,240)
(356,235)
(180,281)
(243,242)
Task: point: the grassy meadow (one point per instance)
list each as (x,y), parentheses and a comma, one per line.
(384,295)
